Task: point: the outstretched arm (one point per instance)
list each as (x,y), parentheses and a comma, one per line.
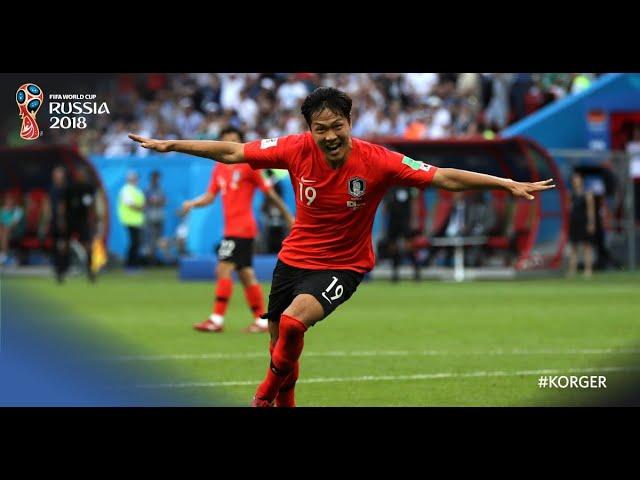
(201,201)
(456,180)
(223,152)
(277,201)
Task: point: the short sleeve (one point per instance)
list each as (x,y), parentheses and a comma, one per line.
(408,172)
(213,184)
(273,152)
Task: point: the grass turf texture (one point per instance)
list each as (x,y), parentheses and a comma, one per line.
(406,344)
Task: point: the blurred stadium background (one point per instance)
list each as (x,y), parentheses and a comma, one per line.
(434,348)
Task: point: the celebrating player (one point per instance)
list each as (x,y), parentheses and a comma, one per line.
(339,182)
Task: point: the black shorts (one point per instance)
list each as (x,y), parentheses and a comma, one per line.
(82,232)
(236,250)
(330,287)
(578,233)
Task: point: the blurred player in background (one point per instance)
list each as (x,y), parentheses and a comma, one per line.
(339,182)
(55,213)
(399,206)
(582,226)
(71,213)
(11,216)
(236,185)
(81,216)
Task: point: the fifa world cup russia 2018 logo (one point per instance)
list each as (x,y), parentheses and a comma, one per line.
(29,98)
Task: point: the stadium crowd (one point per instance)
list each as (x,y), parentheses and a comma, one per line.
(409,105)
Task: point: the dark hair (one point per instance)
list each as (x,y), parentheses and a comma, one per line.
(326,97)
(232,129)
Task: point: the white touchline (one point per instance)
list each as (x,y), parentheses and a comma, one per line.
(375,353)
(421,376)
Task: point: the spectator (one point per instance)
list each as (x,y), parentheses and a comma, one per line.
(231,86)
(633,151)
(131,213)
(419,85)
(189,119)
(464,118)
(497,113)
(582,226)
(291,93)
(580,82)
(116,141)
(80,214)
(248,109)
(56,217)
(156,201)
(11,217)
(468,86)
(521,85)
(470,216)
(440,118)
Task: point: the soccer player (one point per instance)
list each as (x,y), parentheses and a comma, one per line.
(339,182)
(72,212)
(236,184)
(399,205)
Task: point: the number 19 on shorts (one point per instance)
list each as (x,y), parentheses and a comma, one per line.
(337,292)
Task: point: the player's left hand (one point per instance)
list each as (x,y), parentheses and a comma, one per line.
(186,208)
(526,189)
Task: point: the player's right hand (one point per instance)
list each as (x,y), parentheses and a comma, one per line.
(152,144)
(289,219)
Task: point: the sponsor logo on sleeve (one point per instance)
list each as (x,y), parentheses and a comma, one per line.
(415,164)
(268,143)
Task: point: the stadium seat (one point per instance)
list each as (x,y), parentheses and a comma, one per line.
(513,239)
(441,214)
(34,211)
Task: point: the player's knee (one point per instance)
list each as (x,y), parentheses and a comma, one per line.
(223,270)
(306,309)
(291,329)
(247,277)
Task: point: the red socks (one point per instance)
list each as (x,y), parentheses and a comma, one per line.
(286,395)
(255,299)
(224,288)
(284,359)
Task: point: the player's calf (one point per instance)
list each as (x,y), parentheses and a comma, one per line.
(285,355)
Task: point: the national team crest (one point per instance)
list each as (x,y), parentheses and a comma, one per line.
(357,186)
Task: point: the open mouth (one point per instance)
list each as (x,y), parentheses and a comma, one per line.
(333,148)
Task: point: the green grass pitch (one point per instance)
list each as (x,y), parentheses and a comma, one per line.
(407,344)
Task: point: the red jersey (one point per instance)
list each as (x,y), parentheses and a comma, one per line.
(335,209)
(237,184)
